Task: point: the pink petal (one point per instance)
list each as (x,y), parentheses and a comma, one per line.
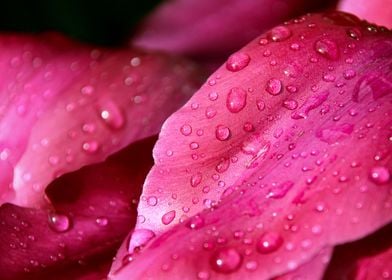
(215,28)
(66,105)
(94,208)
(377,11)
(368,258)
(307,154)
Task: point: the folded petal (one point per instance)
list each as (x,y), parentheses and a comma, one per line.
(65,105)
(377,11)
(368,258)
(94,208)
(284,144)
(215,28)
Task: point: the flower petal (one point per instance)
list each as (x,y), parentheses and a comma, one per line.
(94,208)
(214,28)
(368,258)
(377,11)
(67,105)
(259,165)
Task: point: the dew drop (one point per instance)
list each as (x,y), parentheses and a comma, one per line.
(186,130)
(196,179)
(222,133)
(236,100)
(279,33)
(349,74)
(269,242)
(139,238)
(260,105)
(290,104)
(102,221)
(210,112)
(90,147)
(111,115)
(59,222)
(152,200)
(274,86)
(280,191)
(379,175)
(226,260)
(168,217)
(237,62)
(327,48)
(195,222)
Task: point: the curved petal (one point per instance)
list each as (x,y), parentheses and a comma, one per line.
(213,29)
(94,208)
(377,11)
(66,105)
(269,157)
(368,258)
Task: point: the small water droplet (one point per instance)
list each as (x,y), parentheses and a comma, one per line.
(260,105)
(279,33)
(186,130)
(168,217)
(237,62)
(349,74)
(280,191)
(290,104)
(196,179)
(236,100)
(226,260)
(195,222)
(102,221)
(380,175)
(354,33)
(111,114)
(269,242)
(152,200)
(222,133)
(59,222)
(274,86)
(90,147)
(327,48)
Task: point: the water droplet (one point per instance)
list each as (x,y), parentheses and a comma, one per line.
(237,62)
(87,90)
(349,74)
(102,221)
(260,105)
(168,217)
(290,104)
(222,133)
(152,200)
(196,179)
(59,222)
(379,175)
(269,242)
(354,33)
(210,112)
(223,165)
(373,84)
(90,147)
(327,48)
(279,33)
(236,100)
(111,114)
(195,222)
(336,133)
(186,130)
(310,104)
(226,260)
(274,86)
(139,238)
(280,191)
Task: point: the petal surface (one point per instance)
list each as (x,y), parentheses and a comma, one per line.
(269,157)
(94,208)
(67,105)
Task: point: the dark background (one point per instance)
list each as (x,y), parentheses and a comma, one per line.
(103,22)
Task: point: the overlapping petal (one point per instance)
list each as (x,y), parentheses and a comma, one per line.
(65,105)
(286,143)
(94,208)
(214,29)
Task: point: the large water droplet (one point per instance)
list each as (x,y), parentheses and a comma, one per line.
(310,104)
(226,260)
(222,133)
(59,222)
(111,114)
(327,48)
(236,100)
(380,175)
(168,217)
(279,33)
(237,62)
(139,238)
(269,242)
(274,86)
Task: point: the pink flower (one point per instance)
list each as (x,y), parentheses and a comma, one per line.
(278,167)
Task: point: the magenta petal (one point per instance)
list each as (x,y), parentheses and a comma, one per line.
(376,11)
(368,258)
(94,208)
(65,105)
(214,28)
(307,151)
